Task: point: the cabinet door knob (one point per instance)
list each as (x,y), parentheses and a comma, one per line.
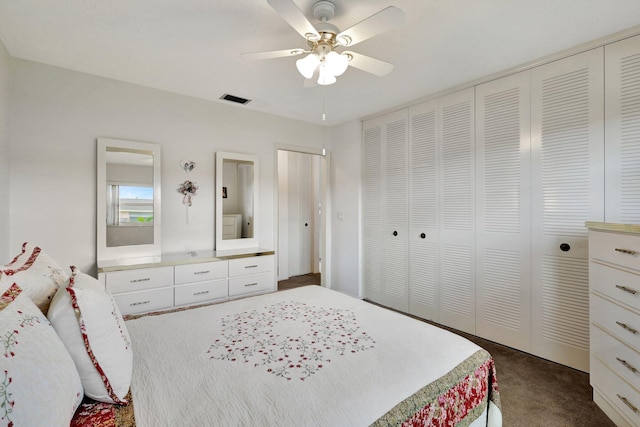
(422,235)
(565,247)
(395,233)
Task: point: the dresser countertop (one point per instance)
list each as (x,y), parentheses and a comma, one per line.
(609,226)
(180,258)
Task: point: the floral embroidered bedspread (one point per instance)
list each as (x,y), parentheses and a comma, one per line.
(463,395)
(260,361)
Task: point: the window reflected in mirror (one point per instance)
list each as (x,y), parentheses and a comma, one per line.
(129,197)
(237,199)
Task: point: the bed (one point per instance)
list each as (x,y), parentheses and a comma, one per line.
(305,357)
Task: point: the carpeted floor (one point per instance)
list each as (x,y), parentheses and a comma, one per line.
(534,392)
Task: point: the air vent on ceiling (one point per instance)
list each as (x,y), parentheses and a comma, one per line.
(235,99)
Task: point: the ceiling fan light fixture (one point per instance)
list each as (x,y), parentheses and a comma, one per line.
(343,40)
(307,65)
(325,77)
(336,63)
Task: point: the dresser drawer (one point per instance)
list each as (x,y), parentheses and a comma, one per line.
(250,284)
(624,397)
(143,301)
(201,272)
(617,356)
(200,292)
(251,265)
(139,279)
(617,284)
(619,321)
(615,248)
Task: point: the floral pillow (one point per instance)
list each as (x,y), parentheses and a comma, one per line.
(39,383)
(36,273)
(89,323)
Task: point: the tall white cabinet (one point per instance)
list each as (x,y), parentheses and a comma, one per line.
(500,180)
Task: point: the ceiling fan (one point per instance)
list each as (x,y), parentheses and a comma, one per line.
(323,59)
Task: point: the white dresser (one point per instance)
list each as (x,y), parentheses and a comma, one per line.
(614,285)
(141,285)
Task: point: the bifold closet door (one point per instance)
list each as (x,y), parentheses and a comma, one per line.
(503,217)
(456,216)
(622,109)
(567,116)
(386,228)
(423,212)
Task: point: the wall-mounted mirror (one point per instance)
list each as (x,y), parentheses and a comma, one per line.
(236,201)
(128,199)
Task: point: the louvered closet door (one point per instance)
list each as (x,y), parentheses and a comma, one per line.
(396,237)
(567,190)
(385,203)
(423,212)
(622,109)
(503,218)
(372,212)
(456,217)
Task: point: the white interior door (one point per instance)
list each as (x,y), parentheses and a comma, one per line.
(299,235)
(456,155)
(567,142)
(503,217)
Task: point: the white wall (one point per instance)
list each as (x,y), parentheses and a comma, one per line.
(57,115)
(345,199)
(4,155)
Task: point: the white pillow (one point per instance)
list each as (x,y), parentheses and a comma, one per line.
(89,323)
(36,273)
(39,381)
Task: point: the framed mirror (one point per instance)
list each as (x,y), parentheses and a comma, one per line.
(128,199)
(236,201)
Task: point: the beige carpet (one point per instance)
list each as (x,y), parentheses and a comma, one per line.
(534,392)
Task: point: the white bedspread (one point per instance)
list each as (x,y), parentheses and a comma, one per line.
(304,357)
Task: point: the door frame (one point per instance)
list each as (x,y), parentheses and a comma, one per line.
(325,198)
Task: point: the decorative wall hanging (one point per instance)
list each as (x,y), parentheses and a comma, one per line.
(187,166)
(188,189)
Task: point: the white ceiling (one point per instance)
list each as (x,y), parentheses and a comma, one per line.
(193,47)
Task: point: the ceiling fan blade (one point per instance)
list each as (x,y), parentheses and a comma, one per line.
(290,13)
(272,54)
(369,64)
(378,23)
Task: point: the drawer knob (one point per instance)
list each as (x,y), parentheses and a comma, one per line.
(565,247)
(626,402)
(629,290)
(627,327)
(139,303)
(395,233)
(627,365)
(626,251)
(422,235)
